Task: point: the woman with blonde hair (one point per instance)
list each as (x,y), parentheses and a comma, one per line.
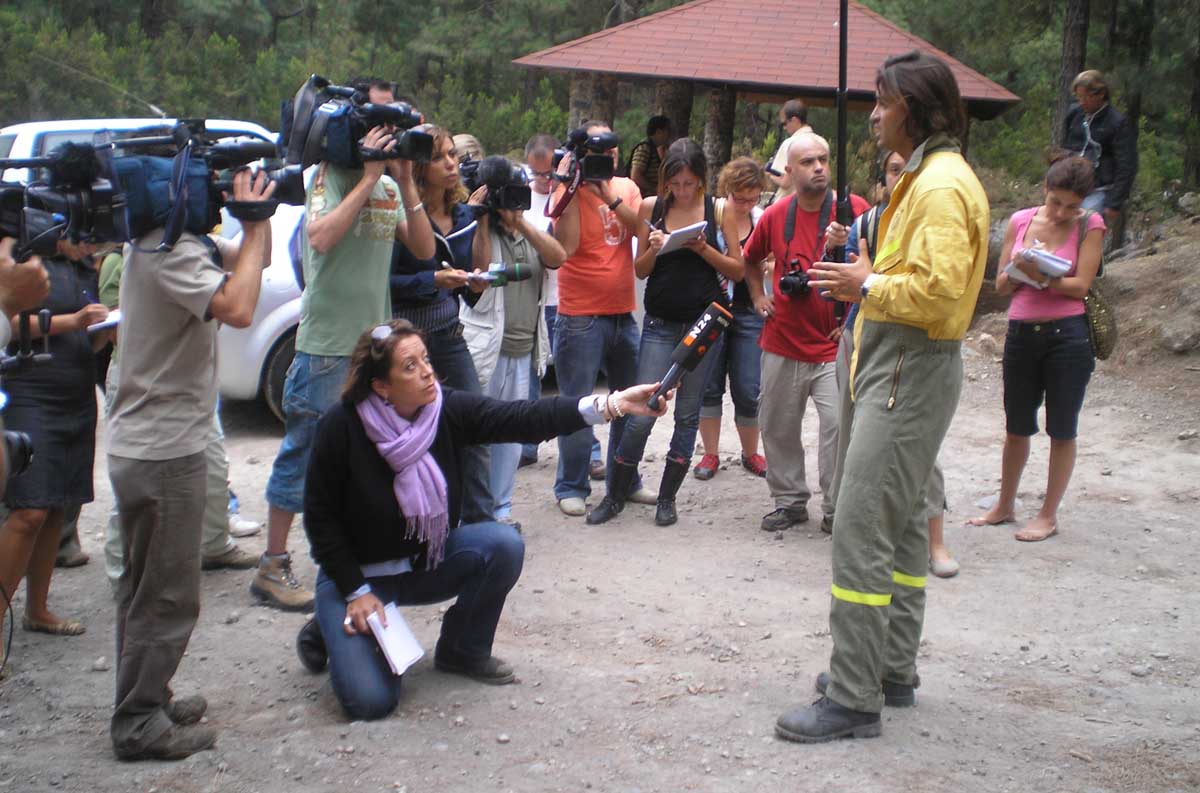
(736,357)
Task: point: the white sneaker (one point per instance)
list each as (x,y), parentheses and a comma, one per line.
(575,507)
(644,495)
(239,527)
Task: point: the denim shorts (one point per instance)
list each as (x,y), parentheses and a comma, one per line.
(1046,360)
(314,383)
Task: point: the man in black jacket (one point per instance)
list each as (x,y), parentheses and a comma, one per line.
(1096,130)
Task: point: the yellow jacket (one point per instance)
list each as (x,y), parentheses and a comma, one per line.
(933,245)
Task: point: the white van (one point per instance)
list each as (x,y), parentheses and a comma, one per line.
(251,361)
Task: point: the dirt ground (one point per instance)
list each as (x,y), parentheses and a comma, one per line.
(655,659)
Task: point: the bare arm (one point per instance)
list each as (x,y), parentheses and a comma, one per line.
(1004,284)
(235,301)
(548,249)
(414,230)
(649,242)
(1077,285)
(566,228)
(326,230)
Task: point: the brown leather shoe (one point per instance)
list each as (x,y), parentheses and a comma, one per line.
(174,744)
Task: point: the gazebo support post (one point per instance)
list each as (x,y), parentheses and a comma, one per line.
(673,99)
(718,130)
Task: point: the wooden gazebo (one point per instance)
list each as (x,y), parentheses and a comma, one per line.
(756,50)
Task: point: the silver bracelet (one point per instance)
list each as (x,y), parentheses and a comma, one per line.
(412,210)
(614,408)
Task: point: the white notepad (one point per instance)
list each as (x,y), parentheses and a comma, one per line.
(399,646)
(114,318)
(677,238)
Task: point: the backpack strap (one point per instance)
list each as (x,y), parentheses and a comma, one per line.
(789,227)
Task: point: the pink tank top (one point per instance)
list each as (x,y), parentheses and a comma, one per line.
(1029,303)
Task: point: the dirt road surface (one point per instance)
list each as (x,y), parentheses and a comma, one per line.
(655,659)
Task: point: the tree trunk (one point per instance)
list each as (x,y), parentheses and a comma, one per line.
(1139,45)
(718,130)
(153,17)
(604,98)
(1074,54)
(673,99)
(1191,157)
(579,106)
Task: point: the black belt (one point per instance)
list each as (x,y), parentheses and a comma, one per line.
(1046,325)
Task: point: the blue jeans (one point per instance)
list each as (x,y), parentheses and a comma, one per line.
(530,450)
(738,357)
(314,383)
(659,339)
(454,366)
(483,562)
(509,382)
(585,344)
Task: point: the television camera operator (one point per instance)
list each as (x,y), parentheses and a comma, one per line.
(158,429)
(23,286)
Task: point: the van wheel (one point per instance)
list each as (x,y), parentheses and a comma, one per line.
(276,372)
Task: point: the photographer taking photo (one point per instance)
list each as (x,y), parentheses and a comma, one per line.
(353,215)
(158,428)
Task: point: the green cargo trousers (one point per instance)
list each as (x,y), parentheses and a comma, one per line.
(906,390)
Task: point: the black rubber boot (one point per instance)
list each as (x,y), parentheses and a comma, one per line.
(826,720)
(673,476)
(895,695)
(620,485)
(310,646)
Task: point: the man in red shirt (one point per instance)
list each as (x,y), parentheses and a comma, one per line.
(799,340)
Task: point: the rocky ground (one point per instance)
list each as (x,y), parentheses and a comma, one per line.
(657,659)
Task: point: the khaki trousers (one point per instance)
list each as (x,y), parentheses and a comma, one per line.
(787,386)
(161,505)
(906,390)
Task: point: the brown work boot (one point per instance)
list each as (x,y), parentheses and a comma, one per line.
(275,586)
(232,558)
(174,744)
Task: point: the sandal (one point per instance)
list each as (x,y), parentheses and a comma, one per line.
(64,628)
(1033,536)
(983,521)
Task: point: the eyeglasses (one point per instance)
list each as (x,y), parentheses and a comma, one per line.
(381,332)
(746,200)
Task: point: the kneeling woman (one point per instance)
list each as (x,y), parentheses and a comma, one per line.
(382,502)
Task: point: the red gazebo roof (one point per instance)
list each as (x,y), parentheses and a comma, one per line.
(784,47)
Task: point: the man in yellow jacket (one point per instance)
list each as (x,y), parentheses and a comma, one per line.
(917,301)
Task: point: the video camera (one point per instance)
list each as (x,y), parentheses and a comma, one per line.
(327,123)
(589,155)
(507,184)
(117,190)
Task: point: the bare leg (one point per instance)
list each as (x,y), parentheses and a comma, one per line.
(749,438)
(17,538)
(710,434)
(279,523)
(1012,463)
(940,561)
(1062,464)
(41,568)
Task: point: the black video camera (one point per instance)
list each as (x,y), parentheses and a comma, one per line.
(794,283)
(589,155)
(327,123)
(507,184)
(116,190)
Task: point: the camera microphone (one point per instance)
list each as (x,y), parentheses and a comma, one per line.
(700,338)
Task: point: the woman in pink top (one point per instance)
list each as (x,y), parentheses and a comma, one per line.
(1047,352)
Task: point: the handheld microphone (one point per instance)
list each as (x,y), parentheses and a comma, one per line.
(499,274)
(700,338)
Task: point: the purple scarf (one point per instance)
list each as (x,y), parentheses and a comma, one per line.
(420,485)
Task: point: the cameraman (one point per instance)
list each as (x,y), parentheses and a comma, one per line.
(800,334)
(158,428)
(353,216)
(505,326)
(595,326)
(22,287)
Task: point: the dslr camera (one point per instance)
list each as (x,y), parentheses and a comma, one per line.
(326,123)
(794,283)
(590,155)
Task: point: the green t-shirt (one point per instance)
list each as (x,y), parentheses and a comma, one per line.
(521,299)
(110,279)
(346,289)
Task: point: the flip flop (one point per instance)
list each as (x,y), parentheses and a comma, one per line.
(980,521)
(64,628)
(1037,537)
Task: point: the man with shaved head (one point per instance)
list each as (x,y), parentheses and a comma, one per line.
(800,336)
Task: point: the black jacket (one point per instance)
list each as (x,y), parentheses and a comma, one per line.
(1118,158)
(350,510)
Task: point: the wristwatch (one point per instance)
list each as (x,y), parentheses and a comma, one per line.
(866,285)
(616,203)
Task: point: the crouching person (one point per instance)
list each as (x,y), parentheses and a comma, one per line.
(383,489)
